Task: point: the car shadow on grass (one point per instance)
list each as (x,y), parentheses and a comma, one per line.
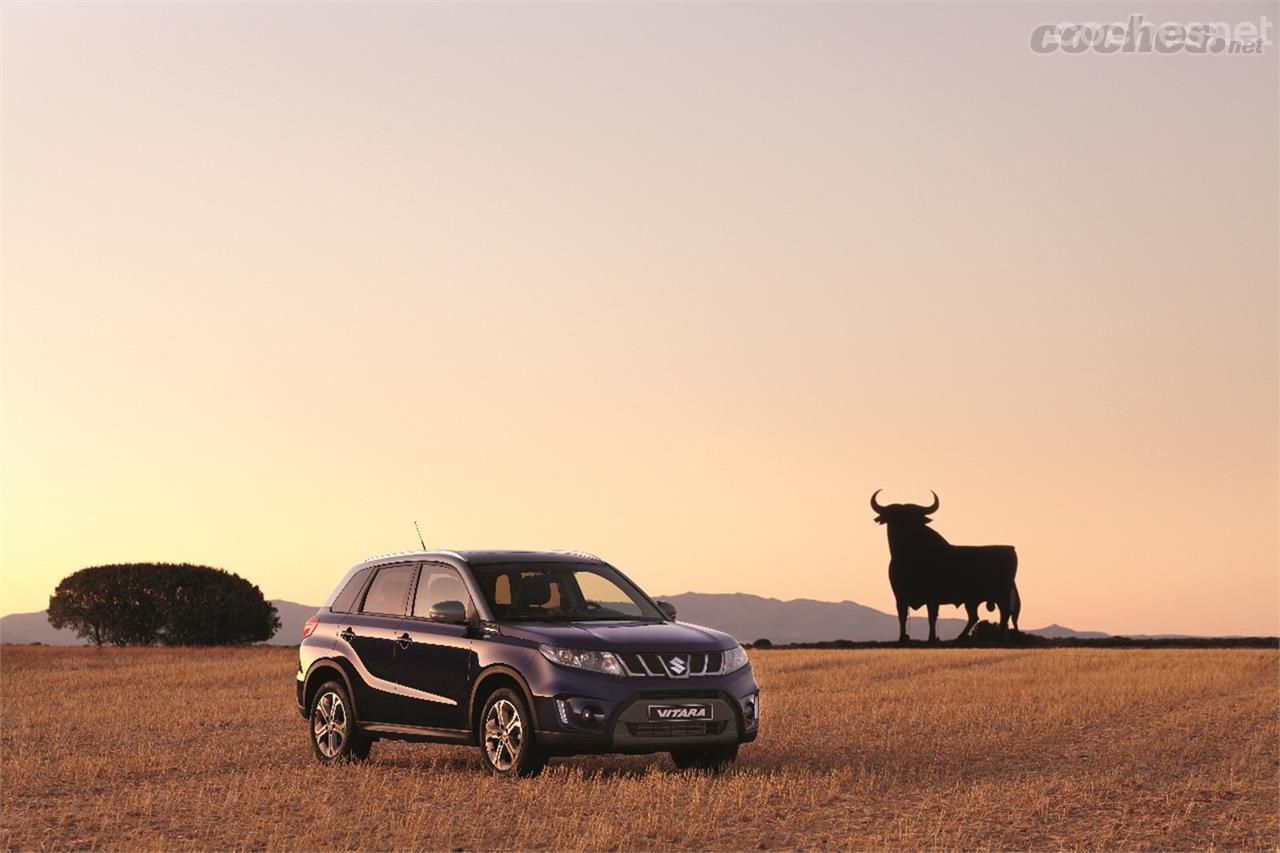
(465,760)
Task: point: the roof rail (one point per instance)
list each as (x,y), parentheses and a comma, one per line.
(586,554)
(389,555)
(415,553)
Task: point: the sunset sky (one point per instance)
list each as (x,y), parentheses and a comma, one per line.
(680,285)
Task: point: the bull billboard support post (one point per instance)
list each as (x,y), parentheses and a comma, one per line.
(925,570)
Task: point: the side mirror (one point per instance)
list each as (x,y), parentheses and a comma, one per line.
(453,612)
(668,609)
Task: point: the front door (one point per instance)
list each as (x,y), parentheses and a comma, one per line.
(434,659)
(369,635)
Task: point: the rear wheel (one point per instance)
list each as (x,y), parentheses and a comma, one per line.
(715,759)
(507,747)
(333,726)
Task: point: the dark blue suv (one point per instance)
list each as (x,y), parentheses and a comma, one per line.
(524,654)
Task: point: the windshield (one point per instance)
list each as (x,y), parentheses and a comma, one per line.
(561,592)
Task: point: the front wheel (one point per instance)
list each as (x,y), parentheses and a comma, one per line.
(715,759)
(506,737)
(333,727)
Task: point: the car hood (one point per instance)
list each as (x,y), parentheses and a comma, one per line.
(622,636)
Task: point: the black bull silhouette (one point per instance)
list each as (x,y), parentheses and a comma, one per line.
(927,570)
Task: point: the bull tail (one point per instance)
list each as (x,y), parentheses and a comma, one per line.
(1015,604)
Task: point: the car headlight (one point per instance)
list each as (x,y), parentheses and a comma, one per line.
(605,662)
(735,659)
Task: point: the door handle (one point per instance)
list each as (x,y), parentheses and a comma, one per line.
(403,641)
(347,634)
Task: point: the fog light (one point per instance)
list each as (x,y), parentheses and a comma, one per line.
(574,711)
(751,710)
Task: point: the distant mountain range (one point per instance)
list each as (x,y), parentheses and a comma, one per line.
(747,617)
(804,620)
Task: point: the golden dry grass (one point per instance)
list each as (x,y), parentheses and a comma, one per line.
(146,749)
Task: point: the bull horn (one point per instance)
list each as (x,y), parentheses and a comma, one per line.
(936,503)
(879,509)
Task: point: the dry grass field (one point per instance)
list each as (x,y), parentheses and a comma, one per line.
(145,749)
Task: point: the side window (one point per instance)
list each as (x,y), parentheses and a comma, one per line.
(436,584)
(347,598)
(388,592)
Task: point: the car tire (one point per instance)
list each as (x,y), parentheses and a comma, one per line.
(333,726)
(715,759)
(507,746)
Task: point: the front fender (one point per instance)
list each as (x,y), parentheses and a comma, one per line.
(494,670)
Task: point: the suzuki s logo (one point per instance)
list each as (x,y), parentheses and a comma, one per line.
(677,666)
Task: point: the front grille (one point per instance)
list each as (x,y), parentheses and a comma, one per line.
(655,665)
(682,728)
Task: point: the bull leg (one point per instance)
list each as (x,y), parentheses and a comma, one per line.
(933,622)
(972,610)
(1004,616)
(902,622)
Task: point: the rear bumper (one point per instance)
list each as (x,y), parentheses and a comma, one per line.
(301,682)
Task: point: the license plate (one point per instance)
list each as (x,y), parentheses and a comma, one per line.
(675,713)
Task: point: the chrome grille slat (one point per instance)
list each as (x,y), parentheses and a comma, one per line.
(653,664)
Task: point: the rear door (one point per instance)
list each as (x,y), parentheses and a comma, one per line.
(434,659)
(368,639)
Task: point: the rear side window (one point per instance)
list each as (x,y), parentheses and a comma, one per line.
(388,591)
(346,599)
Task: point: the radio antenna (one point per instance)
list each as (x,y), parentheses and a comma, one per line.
(420,542)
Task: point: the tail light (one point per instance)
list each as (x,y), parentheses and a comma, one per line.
(310,628)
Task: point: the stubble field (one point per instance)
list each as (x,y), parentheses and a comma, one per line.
(144,749)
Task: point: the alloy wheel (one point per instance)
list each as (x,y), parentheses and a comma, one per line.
(503,734)
(330,724)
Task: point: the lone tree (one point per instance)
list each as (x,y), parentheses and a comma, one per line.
(176,604)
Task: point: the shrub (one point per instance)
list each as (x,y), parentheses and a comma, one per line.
(176,604)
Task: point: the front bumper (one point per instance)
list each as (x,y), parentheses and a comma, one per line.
(608,714)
